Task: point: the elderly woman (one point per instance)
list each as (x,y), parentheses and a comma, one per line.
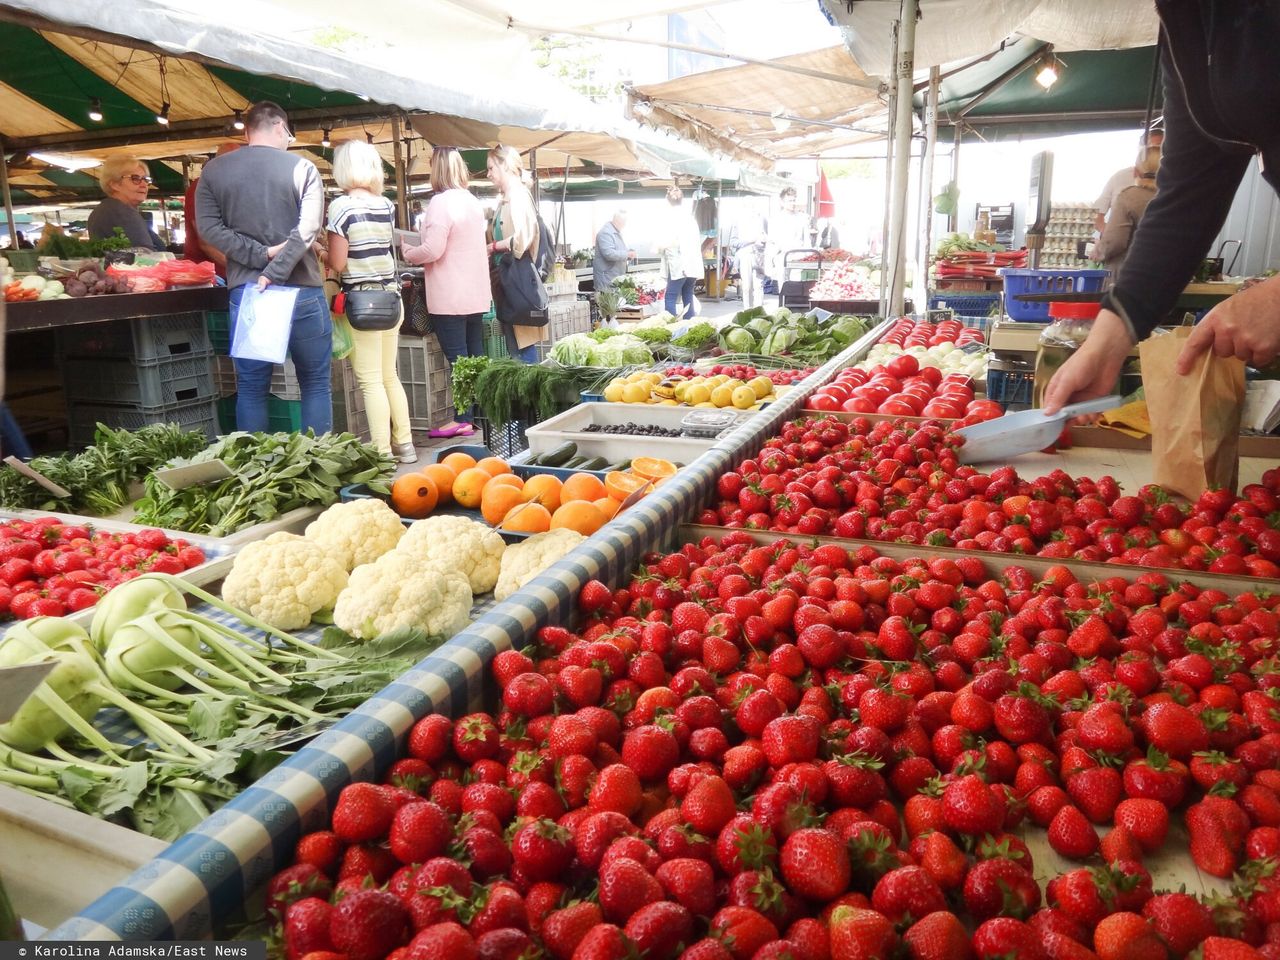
(125,181)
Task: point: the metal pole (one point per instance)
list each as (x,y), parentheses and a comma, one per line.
(537,187)
(926,180)
(905,65)
(8,197)
(402,188)
(891,119)
(953,220)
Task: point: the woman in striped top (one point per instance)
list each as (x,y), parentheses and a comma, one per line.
(360,232)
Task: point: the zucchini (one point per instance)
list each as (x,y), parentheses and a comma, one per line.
(595,463)
(575,462)
(620,466)
(559,456)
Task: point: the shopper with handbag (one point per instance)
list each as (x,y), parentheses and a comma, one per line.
(455,272)
(360,227)
(516,231)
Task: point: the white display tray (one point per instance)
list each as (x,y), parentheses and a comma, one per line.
(568,427)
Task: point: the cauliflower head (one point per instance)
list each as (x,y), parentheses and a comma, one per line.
(396,591)
(474,549)
(285,580)
(357,532)
(521,562)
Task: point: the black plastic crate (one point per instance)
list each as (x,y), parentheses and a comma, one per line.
(84,418)
(161,383)
(146,339)
(504,439)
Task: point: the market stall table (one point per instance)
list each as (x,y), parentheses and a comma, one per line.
(56,314)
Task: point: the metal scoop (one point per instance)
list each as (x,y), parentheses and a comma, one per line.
(1023,432)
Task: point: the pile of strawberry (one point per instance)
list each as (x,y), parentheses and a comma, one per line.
(49,568)
(839,766)
(901,481)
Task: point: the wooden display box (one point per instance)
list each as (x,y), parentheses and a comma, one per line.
(1251,445)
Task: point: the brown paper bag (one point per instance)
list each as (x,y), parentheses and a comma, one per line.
(1195,420)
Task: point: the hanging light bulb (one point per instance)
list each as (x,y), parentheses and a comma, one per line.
(95,110)
(324,136)
(238,121)
(162,117)
(1047,75)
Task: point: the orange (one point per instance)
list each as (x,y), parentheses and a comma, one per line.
(585,518)
(414,495)
(469,487)
(497,500)
(443,477)
(527,518)
(494,465)
(651,468)
(622,485)
(608,506)
(510,479)
(582,486)
(545,489)
(459,461)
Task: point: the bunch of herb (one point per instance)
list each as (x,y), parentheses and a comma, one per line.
(273,473)
(652,335)
(509,390)
(463,375)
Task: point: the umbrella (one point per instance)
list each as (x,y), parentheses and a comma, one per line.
(826,203)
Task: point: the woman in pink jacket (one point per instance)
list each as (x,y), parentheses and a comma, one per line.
(456,271)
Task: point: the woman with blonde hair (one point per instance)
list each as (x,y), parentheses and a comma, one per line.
(360,233)
(1127,211)
(125,181)
(455,273)
(515,228)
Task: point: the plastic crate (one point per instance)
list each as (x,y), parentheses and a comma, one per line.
(284,416)
(968,304)
(163,383)
(224,376)
(425,374)
(495,348)
(84,418)
(218,324)
(566,319)
(22,261)
(145,339)
(1010,387)
(1018,281)
(227,414)
(504,439)
(348,401)
(284,379)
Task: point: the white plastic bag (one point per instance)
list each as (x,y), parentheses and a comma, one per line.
(263,323)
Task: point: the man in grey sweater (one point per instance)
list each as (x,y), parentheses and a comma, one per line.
(262,209)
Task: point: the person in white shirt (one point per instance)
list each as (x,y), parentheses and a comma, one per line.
(681,251)
(1122,180)
(789,230)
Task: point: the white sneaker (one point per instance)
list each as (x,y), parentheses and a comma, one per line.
(404,452)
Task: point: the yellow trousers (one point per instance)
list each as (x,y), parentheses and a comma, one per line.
(373,358)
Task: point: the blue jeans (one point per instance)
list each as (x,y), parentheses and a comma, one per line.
(680,290)
(310,346)
(460,335)
(527,354)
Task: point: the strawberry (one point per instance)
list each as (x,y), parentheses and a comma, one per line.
(1000,886)
(498,907)
(420,831)
(295,883)
(791,739)
(809,938)
(708,806)
(944,861)
(321,848)
(527,694)
(1226,948)
(1217,827)
(508,665)
(563,930)
(505,943)
(1072,835)
(596,832)
(594,597)
(1147,820)
(442,941)
(1096,792)
(938,936)
(707,948)
(1120,844)
(658,929)
(368,924)
(542,850)
(858,934)
(650,751)
(1006,937)
(364,812)
(1058,946)
(475,738)
(1127,936)
(1174,730)
(969,807)
(625,887)
(907,892)
(1181,920)
(306,927)
(690,882)
(618,789)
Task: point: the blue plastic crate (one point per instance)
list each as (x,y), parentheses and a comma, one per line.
(1010,387)
(966,304)
(1019,281)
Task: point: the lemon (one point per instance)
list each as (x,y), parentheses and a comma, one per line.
(613,392)
(744,398)
(652,376)
(706,404)
(682,392)
(761,386)
(697,394)
(634,393)
(635,377)
(715,381)
(722,396)
(668,403)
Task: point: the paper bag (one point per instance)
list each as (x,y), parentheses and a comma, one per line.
(1195,420)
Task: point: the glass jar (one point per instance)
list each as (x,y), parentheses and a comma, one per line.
(1069,325)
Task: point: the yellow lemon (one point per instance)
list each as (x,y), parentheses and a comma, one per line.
(697,394)
(744,397)
(613,392)
(722,396)
(761,386)
(634,393)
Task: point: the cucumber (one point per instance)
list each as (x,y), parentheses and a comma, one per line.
(559,456)
(595,463)
(574,463)
(620,466)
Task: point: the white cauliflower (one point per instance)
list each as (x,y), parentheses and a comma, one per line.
(523,561)
(397,591)
(472,548)
(357,532)
(285,580)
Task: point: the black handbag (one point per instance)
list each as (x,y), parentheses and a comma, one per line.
(373,309)
(417,321)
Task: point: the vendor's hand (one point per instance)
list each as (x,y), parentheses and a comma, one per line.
(1245,326)
(263,282)
(1093,369)
(273,250)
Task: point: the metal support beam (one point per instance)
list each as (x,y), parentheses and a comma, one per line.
(1016,70)
(402,191)
(926,184)
(891,121)
(905,67)
(537,186)
(953,221)
(7,196)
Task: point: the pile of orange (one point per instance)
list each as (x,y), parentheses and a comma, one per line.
(583,503)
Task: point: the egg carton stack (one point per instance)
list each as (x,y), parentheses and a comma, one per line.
(130,373)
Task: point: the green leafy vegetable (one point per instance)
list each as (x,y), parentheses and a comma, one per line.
(699,335)
(464,373)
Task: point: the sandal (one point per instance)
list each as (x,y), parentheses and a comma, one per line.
(457,430)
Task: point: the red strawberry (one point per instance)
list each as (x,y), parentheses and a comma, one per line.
(1181,920)
(605,942)
(659,928)
(1006,937)
(650,751)
(625,887)
(420,831)
(505,943)
(1096,792)
(945,861)
(596,832)
(368,924)
(1217,827)
(690,882)
(364,812)
(563,930)
(476,738)
(1072,835)
(1227,948)
(617,788)
(1083,895)
(907,892)
(815,864)
(1000,886)
(306,927)
(1127,936)
(528,694)
(442,941)
(708,806)
(1174,730)
(1120,844)
(969,806)
(1147,820)
(938,936)
(542,850)
(1058,946)
(809,937)
(858,934)
(296,883)
(321,848)
(707,948)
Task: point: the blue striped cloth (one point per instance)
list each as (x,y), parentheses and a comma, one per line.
(203,880)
